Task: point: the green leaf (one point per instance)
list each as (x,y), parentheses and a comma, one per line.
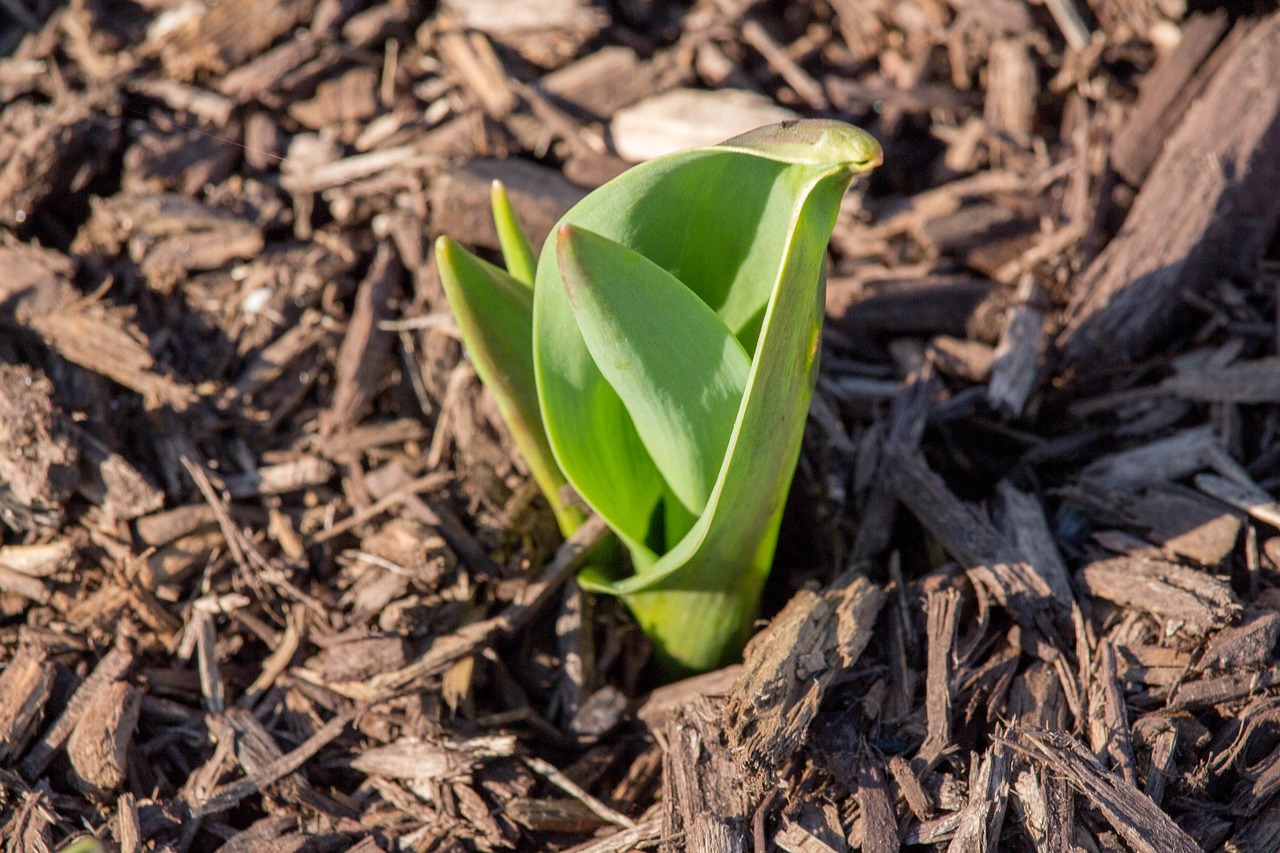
(678,369)
(495,315)
(744,228)
(517,251)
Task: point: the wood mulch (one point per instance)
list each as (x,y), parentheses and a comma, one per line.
(271,577)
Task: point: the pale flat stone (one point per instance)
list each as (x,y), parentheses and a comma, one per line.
(688,118)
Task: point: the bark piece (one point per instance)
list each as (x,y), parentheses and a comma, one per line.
(930,305)
(1138,821)
(879,828)
(1164,96)
(1250,381)
(943,612)
(168,236)
(705,797)
(223,36)
(982,818)
(973,541)
(1181,598)
(1187,524)
(38,293)
(1016,364)
(470,59)
(789,667)
(1243,647)
(1205,212)
(360,659)
(539,194)
(1163,460)
(361,361)
(1011,87)
(109,670)
(1020,517)
(25,684)
(99,744)
(38,462)
(113,483)
(43,147)
(603,82)
(1108,718)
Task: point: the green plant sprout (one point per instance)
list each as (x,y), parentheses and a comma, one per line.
(657,362)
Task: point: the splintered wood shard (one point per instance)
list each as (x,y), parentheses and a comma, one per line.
(1205,212)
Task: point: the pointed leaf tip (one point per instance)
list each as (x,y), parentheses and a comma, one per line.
(813,142)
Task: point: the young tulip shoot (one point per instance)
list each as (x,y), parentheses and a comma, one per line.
(664,365)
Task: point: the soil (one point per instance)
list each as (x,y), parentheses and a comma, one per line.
(272,576)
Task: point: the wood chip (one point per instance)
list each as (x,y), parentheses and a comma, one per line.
(1129,295)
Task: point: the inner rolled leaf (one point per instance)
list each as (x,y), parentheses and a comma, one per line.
(678,369)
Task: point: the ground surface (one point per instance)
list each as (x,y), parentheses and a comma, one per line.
(271,577)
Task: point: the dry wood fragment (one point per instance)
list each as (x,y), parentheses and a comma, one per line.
(660,706)
(1164,96)
(560,815)
(1142,825)
(470,58)
(128,833)
(564,783)
(20,584)
(1181,521)
(1183,599)
(928,305)
(1206,210)
(39,294)
(1011,87)
(982,818)
(705,801)
(943,615)
(1164,460)
(809,90)
(99,743)
(1020,517)
(918,800)
(907,418)
(25,684)
(301,473)
(1108,718)
(879,828)
(789,667)
(256,749)
(1243,494)
(109,670)
(1249,381)
(603,82)
(963,359)
(259,835)
(359,659)
(1162,767)
(347,99)
(973,541)
(365,345)
(223,36)
(1223,688)
(38,464)
(227,796)
(44,147)
(643,835)
(445,650)
(1016,360)
(1242,647)
(539,194)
